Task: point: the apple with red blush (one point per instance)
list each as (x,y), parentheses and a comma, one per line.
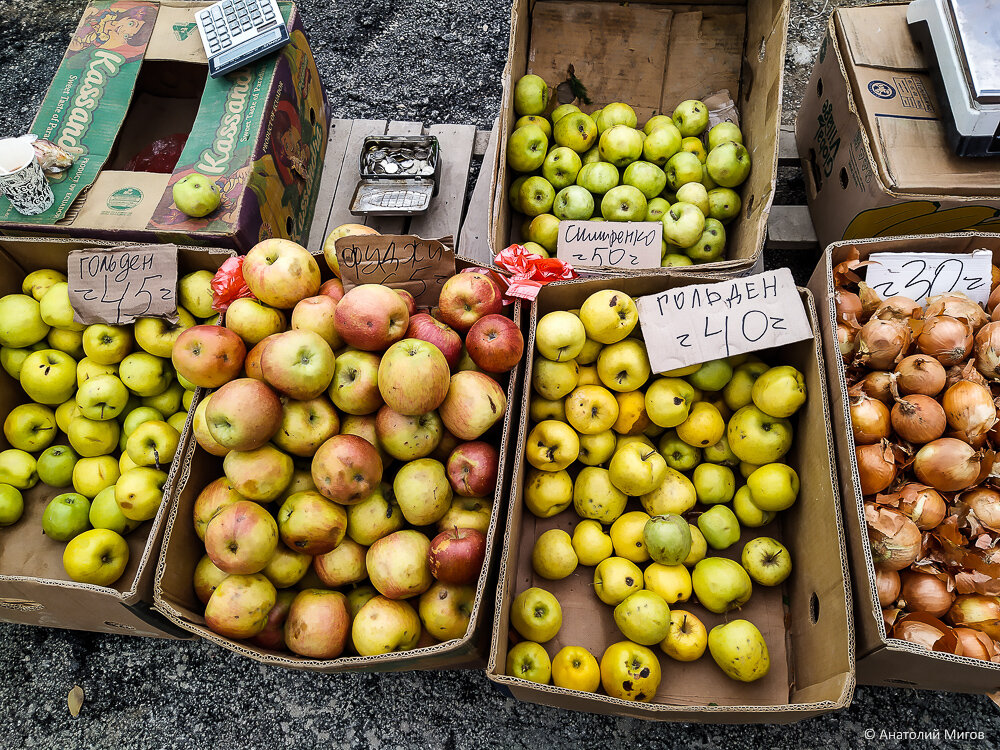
(456,555)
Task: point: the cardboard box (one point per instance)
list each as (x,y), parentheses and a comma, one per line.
(136,71)
(883,660)
(810,638)
(873,147)
(654,56)
(34,588)
(174,589)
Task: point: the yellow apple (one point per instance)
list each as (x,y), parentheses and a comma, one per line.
(97,556)
(554,380)
(553,556)
(598,448)
(595,495)
(591,409)
(529,661)
(626,536)
(552,446)
(630,672)
(687,638)
(575,668)
(676,494)
(672,582)
(547,493)
(632,417)
(590,542)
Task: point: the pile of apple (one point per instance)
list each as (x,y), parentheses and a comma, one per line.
(720,428)
(601,167)
(105,418)
(358,459)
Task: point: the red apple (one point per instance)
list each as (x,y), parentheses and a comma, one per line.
(472,469)
(273,635)
(398,564)
(251,365)
(208,356)
(280,272)
(444,337)
(347,469)
(213,498)
(334,288)
(495,343)
(456,555)
(411,304)
(318,624)
(236,426)
(318,314)
(413,377)
(475,402)
(242,538)
(372,317)
(300,364)
(467,297)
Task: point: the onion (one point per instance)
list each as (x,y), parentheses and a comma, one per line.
(881,343)
(994,298)
(894,538)
(921,629)
(968,371)
(876,467)
(887,582)
(919,373)
(987,345)
(848,306)
(898,308)
(869,419)
(878,385)
(923,505)
(985,505)
(975,645)
(947,465)
(918,419)
(970,410)
(845,340)
(869,299)
(923,592)
(995,315)
(947,339)
(957,305)
(978,612)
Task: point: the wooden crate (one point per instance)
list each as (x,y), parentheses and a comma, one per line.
(790,227)
(448,213)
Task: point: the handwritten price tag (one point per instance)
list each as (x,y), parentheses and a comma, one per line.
(119,285)
(401,261)
(620,244)
(922,275)
(693,324)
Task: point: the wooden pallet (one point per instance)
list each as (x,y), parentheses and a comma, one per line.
(448,213)
(790,227)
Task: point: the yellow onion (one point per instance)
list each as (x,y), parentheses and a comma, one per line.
(947,339)
(919,373)
(918,419)
(920,628)
(947,465)
(878,385)
(888,584)
(987,345)
(978,612)
(968,371)
(957,305)
(876,467)
(995,314)
(848,306)
(869,419)
(985,504)
(970,410)
(923,592)
(845,340)
(974,644)
(894,539)
(898,308)
(994,298)
(881,343)
(923,505)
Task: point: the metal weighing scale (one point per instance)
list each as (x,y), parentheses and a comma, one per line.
(961,39)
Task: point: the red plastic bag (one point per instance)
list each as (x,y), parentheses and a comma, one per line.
(228,284)
(529,272)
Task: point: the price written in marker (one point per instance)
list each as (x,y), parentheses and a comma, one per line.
(922,275)
(118,285)
(697,323)
(401,261)
(615,244)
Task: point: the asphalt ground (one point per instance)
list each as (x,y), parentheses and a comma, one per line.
(433,61)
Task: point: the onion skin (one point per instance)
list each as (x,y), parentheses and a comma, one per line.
(957,305)
(921,374)
(985,505)
(970,410)
(947,465)
(987,346)
(968,371)
(894,538)
(978,612)
(876,467)
(898,308)
(923,592)
(975,645)
(921,629)
(870,420)
(947,339)
(918,419)
(881,343)
(888,584)
(845,340)
(923,505)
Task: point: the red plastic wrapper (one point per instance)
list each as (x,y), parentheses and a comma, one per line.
(529,273)
(228,284)
(159,156)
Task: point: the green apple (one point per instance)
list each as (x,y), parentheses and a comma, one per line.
(560,336)
(196,195)
(168,402)
(138,416)
(514,193)
(712,376)
(544,231)
(747,512)
(536,196)
(144,374)
(48,376)
(667,539)
(139,492)
(535,614)
(91,437)
(576,131)
(101,398)
(66,516)
(596,497)
(538,120)
(714,483)
(177,420)
(682,168)
(615,579)
(598,177)
(12,360)
(720,527)
(21,323)
(643,618)
(780,391)
(87,368)
(656,122)
(679,455)
(722,132)
(774,487)
(617,113)
(608,316)
(529,661)
(683,224)
(723,204)
(691,117)
(11,505)
(534,248)
(526,148)
(30,427)
(721,584)
(695,194)
(739,649)
(729,164)
(712,243)
(623,366)
(668,401)
(671,260)
(194,293)
(721,453)
(645,176)
(758,438)
(56,310)
(157,335)
(636,469)
(656,208)
(693,145)
(70,342)
(18,469)
(38,282)
(531,95)
(766,560)
(623,203)
(661,144)
(561,167)
(94,474)
(55,466)
(562,110)
(573,203)
(152,444)
(621,145)
(591,156)
(107,344)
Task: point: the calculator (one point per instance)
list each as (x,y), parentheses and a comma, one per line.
(237,32)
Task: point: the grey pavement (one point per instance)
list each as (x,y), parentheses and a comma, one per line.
(435,61)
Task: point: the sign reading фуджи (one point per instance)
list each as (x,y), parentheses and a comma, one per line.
(693,324)
(619,244)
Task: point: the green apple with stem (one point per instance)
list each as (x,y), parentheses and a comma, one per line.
(721,584)
(766,560)
(48,376)
(535,614)
(526,149)
(683,224)
(598,177)
(615,579)
(102,397)
(623,203)
(637,469)
(536,196)
(30,427)
(576,131)
(561,167)
(529,661)
(65,516)
(55,465)
(573,202)
(107,344)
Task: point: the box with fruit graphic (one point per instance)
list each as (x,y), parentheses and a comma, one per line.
(641,112)
(874,154)
(674,547)
(346,521)
(912,370)
(133,103)
(93,419)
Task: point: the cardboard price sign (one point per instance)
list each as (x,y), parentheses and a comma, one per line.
(922,275)
(117,285)
(401,261)
(693,324)
(619,244)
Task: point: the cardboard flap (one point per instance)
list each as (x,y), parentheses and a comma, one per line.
(177,36)
(878,36)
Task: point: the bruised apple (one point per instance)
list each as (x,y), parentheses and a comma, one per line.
(433,331)
(216,495)
(310,523)
(280,273)
(346,469)
(318,624)
(467,297)
(242,538)
(472,469)
(398,566)
(372,317)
